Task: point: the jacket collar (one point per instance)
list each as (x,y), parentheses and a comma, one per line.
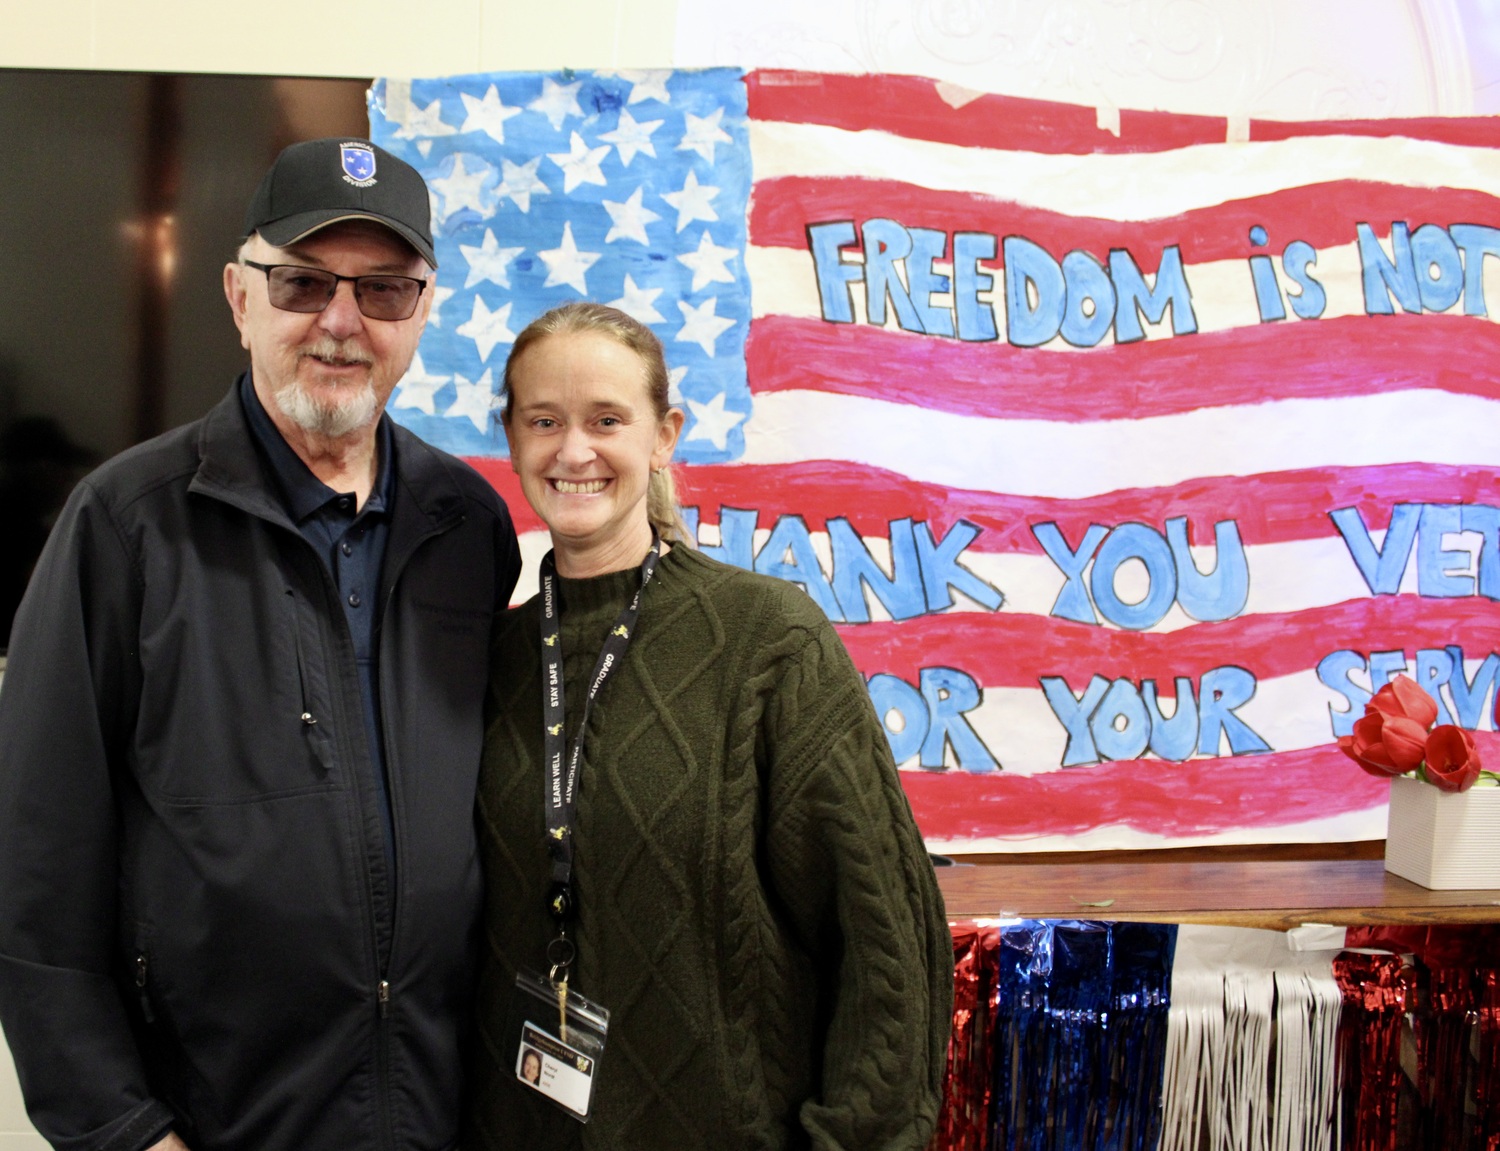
(231,469)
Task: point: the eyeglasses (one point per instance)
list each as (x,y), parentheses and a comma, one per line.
(293,288)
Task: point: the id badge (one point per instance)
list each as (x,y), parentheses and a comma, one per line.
(558,1039)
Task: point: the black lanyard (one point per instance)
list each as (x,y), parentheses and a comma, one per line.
(561,776)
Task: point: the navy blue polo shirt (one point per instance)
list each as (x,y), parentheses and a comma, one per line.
(351,542)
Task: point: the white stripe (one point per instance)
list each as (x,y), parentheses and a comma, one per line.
(1072,461)
(1122,186)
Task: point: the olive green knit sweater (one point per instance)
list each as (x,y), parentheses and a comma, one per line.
(756,908)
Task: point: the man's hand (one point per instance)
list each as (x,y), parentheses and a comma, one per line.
(170,1143)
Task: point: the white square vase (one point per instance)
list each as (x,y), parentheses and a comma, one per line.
(1443,840)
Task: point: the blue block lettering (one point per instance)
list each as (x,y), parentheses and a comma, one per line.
(949,693)
(789,555)
(1475,241)
(927,245)
(1440,271)
(1220,593)
(1485,520)
(1073,601)
(1384,275)
(854,568)
(1133,541)
(976,320)
(1120,726)
(1136,299)
(1335,671)
(894,697)
(1267,291)
(834,274)
(1089,309)
(886,244)
(1176,737)
(1309,300)
(1222,691)
(736,536)
(938,562)
(1435,668)
(1073,713)
(1436,576)
(1471,698)
(1383,665)
(1029,271)
(1381,567)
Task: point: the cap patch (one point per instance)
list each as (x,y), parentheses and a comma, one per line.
(359,164)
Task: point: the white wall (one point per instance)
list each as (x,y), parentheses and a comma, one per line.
(336,37)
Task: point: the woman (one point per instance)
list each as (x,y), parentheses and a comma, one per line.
(738,879)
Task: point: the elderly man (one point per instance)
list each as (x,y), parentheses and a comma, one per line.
(240,727)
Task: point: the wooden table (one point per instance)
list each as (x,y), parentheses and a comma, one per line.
(1279,895)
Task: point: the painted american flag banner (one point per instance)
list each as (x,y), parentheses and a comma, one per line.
(1130,452)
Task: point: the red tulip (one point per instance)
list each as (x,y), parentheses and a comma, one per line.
(1452,759)
(1385,745)
(1402,698)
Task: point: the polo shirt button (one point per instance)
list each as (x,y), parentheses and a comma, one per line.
(354,599)
(346,549)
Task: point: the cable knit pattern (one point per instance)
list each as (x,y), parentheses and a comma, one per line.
(756,908)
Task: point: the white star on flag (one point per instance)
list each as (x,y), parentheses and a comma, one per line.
(703,132)
(557,102)
(630,218)
(440,296)
(700,325)
(712,421)
(475,400)
(487,115)
(632,137)
(647,84)
(639,302)
(426,121)
(566,264)
(487,328)
(708,263)
(462,189)
(417,387)
(488,261)
(519,181)
(693,201)
(674,384)
(580,165)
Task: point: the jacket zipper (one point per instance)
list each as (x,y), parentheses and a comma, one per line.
(383,991)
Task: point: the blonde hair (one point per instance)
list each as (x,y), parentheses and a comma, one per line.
(662,509)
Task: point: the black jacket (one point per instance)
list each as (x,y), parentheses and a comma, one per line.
(197,925)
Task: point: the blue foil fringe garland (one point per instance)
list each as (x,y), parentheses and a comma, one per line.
(1080,1032)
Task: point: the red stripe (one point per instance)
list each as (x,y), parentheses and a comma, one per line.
(1270,508)
(1014,650)
(1195,798)
(911,106)
(1470,131)
(1323,215)
(1343,356)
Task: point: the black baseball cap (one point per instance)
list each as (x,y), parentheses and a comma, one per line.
(320,182)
